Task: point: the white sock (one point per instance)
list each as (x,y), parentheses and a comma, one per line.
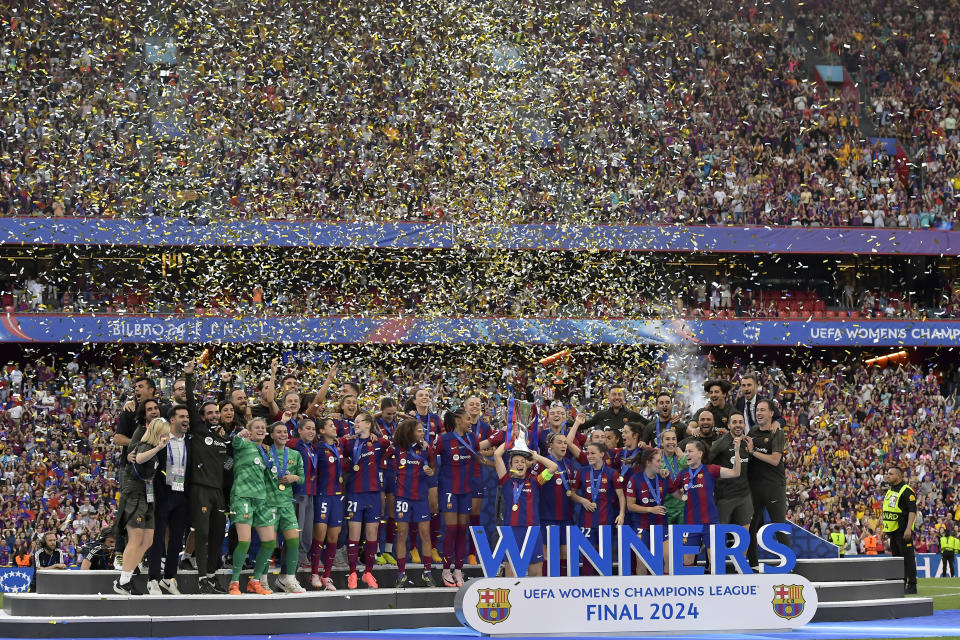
(126,577)
(388,548)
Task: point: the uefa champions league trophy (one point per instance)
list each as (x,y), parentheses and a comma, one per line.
(522,412)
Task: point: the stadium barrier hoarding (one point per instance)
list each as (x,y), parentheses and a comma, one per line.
(73,328)
(635,604)
(179,232)
(686,600)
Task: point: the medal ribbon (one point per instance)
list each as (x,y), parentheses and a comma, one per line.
(286,454)
(595,484)
(265,458)
(693,474)
(653,488)
(465,443)
(357,453)
(561,471)
(626,455)
(517,491)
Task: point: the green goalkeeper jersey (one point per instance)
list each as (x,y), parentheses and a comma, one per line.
(275,495)
(250,470)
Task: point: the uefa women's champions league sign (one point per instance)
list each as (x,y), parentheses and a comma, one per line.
(617,602)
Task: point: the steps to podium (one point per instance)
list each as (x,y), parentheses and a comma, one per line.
(71,604)
(347,619)
(861,588)
(38,604)
(93,582)
(887,609)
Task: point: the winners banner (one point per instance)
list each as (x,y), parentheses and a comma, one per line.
(641,604)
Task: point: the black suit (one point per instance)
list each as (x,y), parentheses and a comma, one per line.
(170,513)
(750,416)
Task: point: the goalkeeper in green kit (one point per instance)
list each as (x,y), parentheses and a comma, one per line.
(250,505)
(288,468)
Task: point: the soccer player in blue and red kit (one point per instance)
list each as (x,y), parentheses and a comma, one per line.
(349,408)
(556,505)
(328,505)
(695,486)
(557,423)
(521,497)
(412,456)
(632,443)
(363,455)
(484,475)
(599,490)
(387,423)
(646,491)
(457,450)
(434,427)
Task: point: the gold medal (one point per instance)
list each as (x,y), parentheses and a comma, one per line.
(569,493)
(356,467)
(282,487)
(516,507)
(685,497)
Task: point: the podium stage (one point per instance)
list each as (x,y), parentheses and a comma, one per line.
(81,604)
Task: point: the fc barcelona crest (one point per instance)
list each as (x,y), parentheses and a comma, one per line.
(493,606)
(788,600)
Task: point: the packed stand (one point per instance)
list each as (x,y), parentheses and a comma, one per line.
(902,54)
(676,113)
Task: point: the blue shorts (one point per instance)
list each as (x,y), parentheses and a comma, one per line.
(696,539)
(519,533)
(364,507)
(561,524)
(388,481)
(433,481)
(411,510)
(460,503)
(328,510)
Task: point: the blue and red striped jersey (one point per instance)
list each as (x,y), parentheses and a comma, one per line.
(604,482)
(481,431)
(311,456)
(432,426)
(344,427)
(639,486)
(362,459)
(330,470)
(411,480)
(456,462)
(697,485)
(524,494)
(555,504)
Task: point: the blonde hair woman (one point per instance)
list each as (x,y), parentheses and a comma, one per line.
(135,510)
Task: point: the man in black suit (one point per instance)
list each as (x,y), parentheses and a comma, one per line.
(747,402)
(169,488)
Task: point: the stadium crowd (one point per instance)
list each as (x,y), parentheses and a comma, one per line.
(557,293)
(684,112)
(843,423)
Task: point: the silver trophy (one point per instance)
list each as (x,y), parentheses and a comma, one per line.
(523,412)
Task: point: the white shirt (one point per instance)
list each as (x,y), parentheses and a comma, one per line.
(176,461)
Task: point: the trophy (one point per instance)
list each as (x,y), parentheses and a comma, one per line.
(523,413)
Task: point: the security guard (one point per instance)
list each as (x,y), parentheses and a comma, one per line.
(899,514)
(839,538)
(949,546)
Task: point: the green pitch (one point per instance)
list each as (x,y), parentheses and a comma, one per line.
(944,591)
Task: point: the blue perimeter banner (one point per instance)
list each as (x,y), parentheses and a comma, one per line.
(549,331)
(172,232)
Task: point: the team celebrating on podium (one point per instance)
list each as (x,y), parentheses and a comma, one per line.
(398,484)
